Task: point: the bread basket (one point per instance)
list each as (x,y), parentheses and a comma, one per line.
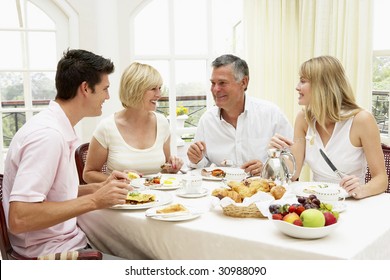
(238,211)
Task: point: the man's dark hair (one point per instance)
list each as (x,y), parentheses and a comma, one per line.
(77,66)
(240,67)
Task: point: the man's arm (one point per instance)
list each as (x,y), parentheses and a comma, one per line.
(30,216)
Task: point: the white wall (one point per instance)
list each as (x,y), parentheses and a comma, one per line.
(104,30)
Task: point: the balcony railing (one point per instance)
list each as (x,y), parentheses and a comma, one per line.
(380,109)
(12,121)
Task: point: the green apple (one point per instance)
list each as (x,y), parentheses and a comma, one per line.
(312,218)
(291,217)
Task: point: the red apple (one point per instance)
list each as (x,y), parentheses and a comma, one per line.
(298,223)
(330,219)
(291,217)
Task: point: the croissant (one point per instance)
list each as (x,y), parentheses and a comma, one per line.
(234,196)
(220,193)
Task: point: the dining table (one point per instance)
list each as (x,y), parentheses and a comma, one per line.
(363,232)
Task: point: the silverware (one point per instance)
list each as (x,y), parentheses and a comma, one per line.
(331,165)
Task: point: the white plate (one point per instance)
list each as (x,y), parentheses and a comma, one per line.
(161,199)
(338,206)
(303,232)
(181,193)
(304,188)
(139,184)
(232,174)
(173,217)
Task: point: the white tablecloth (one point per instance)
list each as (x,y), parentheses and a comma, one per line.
(363,233)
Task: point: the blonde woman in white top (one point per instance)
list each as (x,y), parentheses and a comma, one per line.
(135,138)
(331,120)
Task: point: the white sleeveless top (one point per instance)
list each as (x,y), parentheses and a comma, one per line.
(347,158)
(122,156)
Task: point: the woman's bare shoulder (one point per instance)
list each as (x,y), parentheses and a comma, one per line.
(363,117)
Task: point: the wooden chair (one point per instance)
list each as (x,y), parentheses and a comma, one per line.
(7,252)
(386,153)
(81,156)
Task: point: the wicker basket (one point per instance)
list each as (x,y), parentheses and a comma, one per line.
(250,211)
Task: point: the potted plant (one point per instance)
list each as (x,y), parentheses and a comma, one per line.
(181,116)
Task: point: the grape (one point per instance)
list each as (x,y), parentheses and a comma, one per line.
(285,207)
(314,206)
(312,196)
(302,200)
(316,201)
(307,205)
(274,208)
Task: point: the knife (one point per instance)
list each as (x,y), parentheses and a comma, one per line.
(331,165)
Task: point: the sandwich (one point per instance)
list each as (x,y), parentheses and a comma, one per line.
(139,198)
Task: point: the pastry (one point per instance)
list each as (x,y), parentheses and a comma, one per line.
(278,191)
(172,209)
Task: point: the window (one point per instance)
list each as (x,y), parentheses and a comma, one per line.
(181,38)
(28,61)
(381,66)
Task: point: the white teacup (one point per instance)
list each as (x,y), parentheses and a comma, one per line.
(235,174)
(192,184)
(329,195)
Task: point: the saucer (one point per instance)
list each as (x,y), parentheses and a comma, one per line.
(181,193)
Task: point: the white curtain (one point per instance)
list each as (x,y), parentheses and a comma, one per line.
(281,34)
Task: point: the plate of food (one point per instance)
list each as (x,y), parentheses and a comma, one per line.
(157,182)
(144,199)
(213,173)
(173,212)
(308,188)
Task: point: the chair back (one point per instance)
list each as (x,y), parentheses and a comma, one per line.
(81,157)
(386,153)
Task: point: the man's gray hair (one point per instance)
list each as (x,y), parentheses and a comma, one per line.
(240,67)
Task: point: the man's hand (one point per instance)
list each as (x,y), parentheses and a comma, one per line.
(253,167)
(196,151)
(111,193)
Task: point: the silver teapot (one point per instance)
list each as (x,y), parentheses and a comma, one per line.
(276,169)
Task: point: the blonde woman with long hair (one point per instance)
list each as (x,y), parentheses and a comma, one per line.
(331,120)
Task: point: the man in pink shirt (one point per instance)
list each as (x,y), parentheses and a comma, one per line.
(41,196)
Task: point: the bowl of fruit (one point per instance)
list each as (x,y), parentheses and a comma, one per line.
(308,218)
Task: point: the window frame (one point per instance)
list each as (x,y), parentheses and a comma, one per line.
(172,58)
(65,21)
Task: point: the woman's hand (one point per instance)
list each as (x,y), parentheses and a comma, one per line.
(280,142)
(173,165)
(351,184)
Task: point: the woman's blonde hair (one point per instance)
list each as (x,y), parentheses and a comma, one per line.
(136,80)
(331,93)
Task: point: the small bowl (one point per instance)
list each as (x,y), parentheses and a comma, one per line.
(303,232)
